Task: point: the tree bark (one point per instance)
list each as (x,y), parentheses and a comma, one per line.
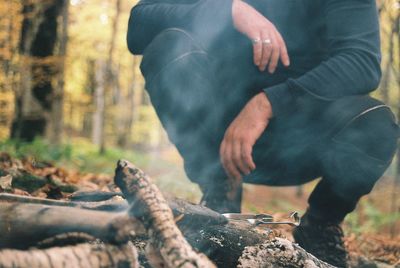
(34,102)
(167,244)
(279,253)
(55,128)
(79,256)
(99,102)
(45,222)
(126,112)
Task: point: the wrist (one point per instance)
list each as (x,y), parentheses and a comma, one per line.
(264,104)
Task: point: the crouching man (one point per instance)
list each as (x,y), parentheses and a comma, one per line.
(271,92)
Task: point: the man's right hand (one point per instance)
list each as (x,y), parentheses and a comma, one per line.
(268,44)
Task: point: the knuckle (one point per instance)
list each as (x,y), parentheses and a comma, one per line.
(228,135)
(237,135)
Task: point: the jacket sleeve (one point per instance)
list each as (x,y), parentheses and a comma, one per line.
(150,17)
(353,64)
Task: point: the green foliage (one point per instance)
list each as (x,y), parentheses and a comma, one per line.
(77,154)
(39,148)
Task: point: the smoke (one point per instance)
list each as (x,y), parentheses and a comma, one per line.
(200,76)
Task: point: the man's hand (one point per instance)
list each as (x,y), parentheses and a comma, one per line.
(268,44)
(240,137)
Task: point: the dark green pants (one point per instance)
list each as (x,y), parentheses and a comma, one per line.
(197,92)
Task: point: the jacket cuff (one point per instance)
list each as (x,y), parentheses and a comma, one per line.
(281,97)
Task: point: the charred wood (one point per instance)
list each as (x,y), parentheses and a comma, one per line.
(279,253)
(167,244)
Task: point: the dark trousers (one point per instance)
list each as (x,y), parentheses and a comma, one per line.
(197,91)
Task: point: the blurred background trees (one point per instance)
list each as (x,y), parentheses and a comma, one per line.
(66,72)
(66,76)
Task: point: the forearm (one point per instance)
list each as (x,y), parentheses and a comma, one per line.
(206,18)
(353,65)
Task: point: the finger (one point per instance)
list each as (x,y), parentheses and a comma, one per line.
(222,154)
(275,55)
(257,50)
(237,159)
(283,50)
(231,169)
(266,51)
(247,157)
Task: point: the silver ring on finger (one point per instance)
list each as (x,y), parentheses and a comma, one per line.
(267,42)
(255,41)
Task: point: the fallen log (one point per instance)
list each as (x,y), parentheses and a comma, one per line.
(106,205)
(79,256)
(47,218)
(190,214)
(167,244)
(203,228)
(26,225)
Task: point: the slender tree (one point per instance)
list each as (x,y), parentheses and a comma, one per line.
(55,129)
(38,68)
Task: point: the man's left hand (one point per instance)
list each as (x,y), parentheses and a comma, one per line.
(240,137)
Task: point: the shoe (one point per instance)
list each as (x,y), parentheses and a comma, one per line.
(217,199)
(322,239)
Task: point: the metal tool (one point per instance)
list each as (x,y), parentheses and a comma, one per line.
(261,219)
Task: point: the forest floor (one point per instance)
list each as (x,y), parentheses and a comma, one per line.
(373,230)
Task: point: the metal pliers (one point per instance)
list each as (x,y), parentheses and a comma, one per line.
(261,219)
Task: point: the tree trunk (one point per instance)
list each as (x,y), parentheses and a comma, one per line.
(98,115)
(79,256)
(124,139)
(34,102)
(55,128)
(111,80)
(8,54)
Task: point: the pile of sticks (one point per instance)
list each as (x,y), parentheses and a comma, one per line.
(142,229)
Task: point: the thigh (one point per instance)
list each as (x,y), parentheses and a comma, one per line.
(304,144)
(287,153)
(181,81)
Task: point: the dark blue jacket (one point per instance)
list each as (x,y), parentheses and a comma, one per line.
(333,45)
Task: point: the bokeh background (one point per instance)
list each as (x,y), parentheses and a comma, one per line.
(72,94)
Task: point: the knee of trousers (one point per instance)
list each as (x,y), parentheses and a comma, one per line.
(176,70)
(169,47)
(361,145)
